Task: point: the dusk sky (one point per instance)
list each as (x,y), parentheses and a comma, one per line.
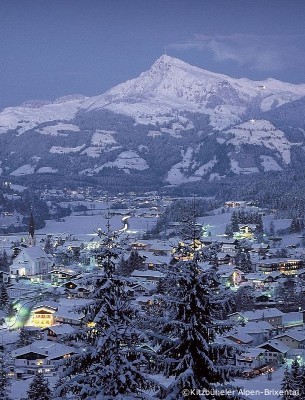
(51,48)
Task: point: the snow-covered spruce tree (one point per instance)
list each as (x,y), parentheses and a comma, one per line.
(188,352)
(302,382)
(4,262)
(4,298)
(39,389)
(24,338)
(4,383)
(110,365)
(293,382)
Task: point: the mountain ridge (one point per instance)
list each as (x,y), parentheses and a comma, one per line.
(173,124)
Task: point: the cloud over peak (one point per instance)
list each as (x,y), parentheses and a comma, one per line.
(255,51)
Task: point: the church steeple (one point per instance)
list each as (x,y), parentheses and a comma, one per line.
(32,240)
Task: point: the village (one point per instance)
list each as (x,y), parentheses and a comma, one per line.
(47,277)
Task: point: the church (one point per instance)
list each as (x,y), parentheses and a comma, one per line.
(32,260)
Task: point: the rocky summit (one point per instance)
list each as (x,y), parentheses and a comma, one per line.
(173,124)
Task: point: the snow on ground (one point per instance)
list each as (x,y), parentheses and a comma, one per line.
(243,170)
(54,130)
(100,140)
(201,171)
(176,175)
(217,223)
(128,160)
(62,150)
(277,100)
(44,170)
(260,387)
(28,117)
(261,132)
(17,188)
(89,224)
(125,161)
(76,224)
(26,169)
(269,164)
(103,138)
(223,116)
(19,387)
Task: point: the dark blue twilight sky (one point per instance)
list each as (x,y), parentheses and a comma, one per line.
(50,48)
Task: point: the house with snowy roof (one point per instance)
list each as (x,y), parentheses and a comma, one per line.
(66,316)
(57,332)
(287,266)
(275,351)
(271,315)
(40,356)
(42,315)
(149,276)
(292,338)
(251,359)
(32,260)
(260,331)
(240,338)
(229,275)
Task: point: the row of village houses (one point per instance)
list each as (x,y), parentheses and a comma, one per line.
(33,260)
(264,339)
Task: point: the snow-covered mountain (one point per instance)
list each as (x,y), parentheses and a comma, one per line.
(175,123)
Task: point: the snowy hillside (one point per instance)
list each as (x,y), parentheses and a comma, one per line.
(172,85)
(175,123)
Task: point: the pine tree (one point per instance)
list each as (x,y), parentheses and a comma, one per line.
(287,385)
(11,311)
(4,262)
(229,230)
(234,222)
(135,261)
(195,304)
(3,379)
(24,338)
(39,389)
(123,267)
(244,298)
(259,229)
(109,368)
(48,247)
(295,373)
(4,298)
(302,382)
(245,264)
(272,228)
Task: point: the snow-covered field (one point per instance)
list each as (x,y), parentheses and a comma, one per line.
(260,387)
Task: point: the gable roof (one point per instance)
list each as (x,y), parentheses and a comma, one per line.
(45,348)
(276,346)
(33,253)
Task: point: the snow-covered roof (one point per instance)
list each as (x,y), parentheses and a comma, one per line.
(64,312)
(33,253)
(260,314)
(147,274)
(256,276)
(240,337)
(46,348)
(257,327)
(299,336)
(252,353)
(276,345)
(61,329)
